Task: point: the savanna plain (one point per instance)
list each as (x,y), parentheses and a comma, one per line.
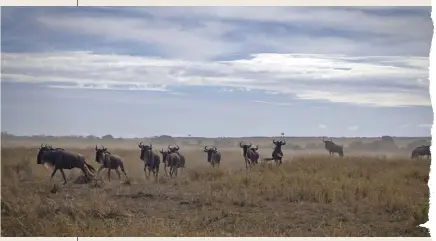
(310,194)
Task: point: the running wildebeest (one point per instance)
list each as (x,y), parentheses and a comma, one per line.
(255,154)
(182,157)
(61,159)
(172,160)
(109,161)
(277,153)
(164,156)
(423,150)
(151,160)
(248,154)
(213,156)
(333,148)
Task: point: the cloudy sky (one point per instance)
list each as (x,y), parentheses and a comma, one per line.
(221,71)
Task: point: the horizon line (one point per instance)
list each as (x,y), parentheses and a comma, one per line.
(211,137)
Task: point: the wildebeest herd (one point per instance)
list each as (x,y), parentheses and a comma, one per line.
(61,159)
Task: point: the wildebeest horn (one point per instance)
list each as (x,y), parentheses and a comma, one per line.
(96,149)
(151,146)
(240,144)
(169,148)
(140,144)
(177,147)
(205,148)
(161,150)
(274,141)
(257,147)
(214,148)
(249,145)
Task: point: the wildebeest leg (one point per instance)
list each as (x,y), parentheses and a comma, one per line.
(145,172)
(172,171)
(118,172)
(98,171)
(63,175)
(150,169)
(85,172)
(53,172)
(125,174)
(109,174)
(156,174)
(165,169)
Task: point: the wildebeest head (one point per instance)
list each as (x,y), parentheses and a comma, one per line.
(174,149)
(164,154)
(279,144)
(255,148)
(42,150)
(145,150)
(99,154)
(328,143)
(209,152)
(245,148)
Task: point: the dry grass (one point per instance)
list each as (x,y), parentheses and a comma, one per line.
(306,196)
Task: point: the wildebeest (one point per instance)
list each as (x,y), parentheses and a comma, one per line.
(109,161)
(333,148)
(277,154)
(255,154)
(151,160)
(172,160)
(164,155)
(182,157)
(213,156)
(61,159)
(423,150)
(248,154)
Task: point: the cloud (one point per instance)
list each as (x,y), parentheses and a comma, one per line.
(353,128)
(371,81)
(171,37)
(272,103)
(308,53)
(322,126)
(204,33)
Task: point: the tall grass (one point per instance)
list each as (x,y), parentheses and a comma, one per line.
(306,196)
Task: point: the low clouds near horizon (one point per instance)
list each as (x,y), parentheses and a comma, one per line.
(222,71)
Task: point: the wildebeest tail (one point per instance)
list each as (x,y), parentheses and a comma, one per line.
(182,162)
(91,168)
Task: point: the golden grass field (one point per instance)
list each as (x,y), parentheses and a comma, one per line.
(309,195)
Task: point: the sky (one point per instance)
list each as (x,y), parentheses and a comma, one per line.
(216,71)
